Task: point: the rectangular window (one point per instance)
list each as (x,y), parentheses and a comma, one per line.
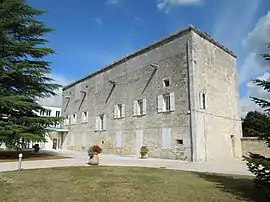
(119,111)
(57,113)
(166,102)
(166,138)
(74,119)
(202,100)
(139,107)
(179,141)
(42,112)
(100,124)
(166,82)
(84,118)
(48,112)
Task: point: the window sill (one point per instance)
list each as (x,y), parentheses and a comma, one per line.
(166,112)
(100,130)
(84,122)
(119,118)
(140,115)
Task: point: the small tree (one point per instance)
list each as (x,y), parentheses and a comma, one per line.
(258,164)
(23,74)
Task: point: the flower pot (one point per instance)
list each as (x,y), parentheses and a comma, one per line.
(145,156)
(94,160)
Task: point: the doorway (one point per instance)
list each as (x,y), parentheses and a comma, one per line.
(139,142)
(233,145)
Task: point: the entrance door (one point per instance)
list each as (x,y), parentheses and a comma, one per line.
(139,142)
(54,143)
(233,145)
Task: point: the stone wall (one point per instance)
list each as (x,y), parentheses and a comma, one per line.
(134,79)
(254,145)
(218,126)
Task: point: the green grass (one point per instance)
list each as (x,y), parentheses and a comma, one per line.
(102,184)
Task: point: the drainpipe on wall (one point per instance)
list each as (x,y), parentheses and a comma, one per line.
(192,99)
(189,102)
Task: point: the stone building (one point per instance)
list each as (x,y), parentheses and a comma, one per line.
(178,96)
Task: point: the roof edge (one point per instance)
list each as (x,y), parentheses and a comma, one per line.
(156,44)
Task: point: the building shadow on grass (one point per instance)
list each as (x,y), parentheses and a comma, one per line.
(240,186)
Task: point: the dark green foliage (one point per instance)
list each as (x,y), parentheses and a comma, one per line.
(256,124)
(23,74)
(260,167)
(259,124)
(36,148)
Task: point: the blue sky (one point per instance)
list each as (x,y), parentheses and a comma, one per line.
(92,33)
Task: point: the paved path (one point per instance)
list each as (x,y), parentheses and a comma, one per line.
(80,159)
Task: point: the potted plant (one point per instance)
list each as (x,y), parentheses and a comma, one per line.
(144,152)
(36,148)
(93,152)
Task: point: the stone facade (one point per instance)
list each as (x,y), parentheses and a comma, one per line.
(191,63)
(256,146)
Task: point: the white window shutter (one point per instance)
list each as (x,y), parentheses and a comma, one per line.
(115,111)
(144,106)
(135,108)
(97,123)
(118,141)
(82,117)
(172,101)
(104,122)
(169,138)
(166,138)
(205,96)
(201,99)
(123,110)
(163,138)
(83,140)
(160,103)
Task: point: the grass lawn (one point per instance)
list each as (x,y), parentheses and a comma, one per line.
(7,156)
(102,184)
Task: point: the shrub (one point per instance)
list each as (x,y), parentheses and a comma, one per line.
(144,151)
(93,150)
(260,167)
(36,148)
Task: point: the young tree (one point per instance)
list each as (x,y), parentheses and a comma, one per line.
(23,74)
(258,164)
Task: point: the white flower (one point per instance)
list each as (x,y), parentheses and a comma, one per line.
(267,171)
(260,167)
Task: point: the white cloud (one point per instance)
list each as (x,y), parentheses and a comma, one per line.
(259,38)
(254,66)
(138,19)
(111,2)
(55,101)
(99,21)
(231,26)
(256,44)
(167,4)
